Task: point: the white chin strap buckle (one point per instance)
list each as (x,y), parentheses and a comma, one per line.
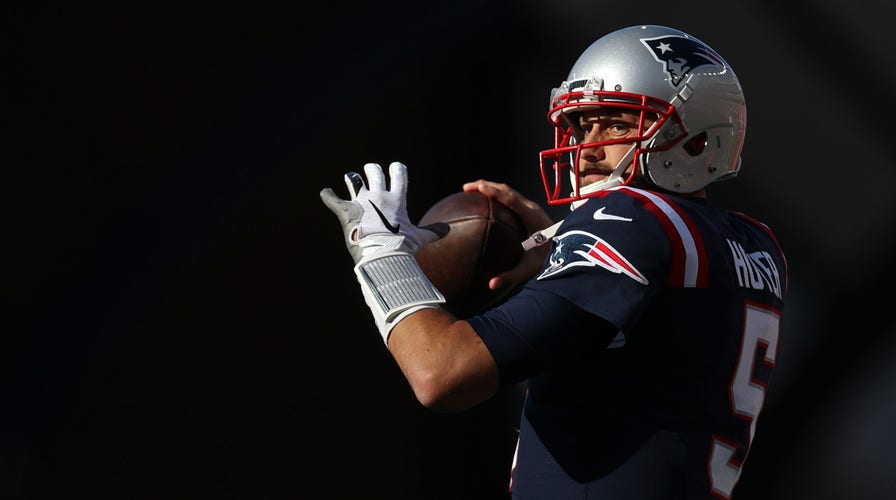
(539,238)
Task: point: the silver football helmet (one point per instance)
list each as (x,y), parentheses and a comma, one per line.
(685,88)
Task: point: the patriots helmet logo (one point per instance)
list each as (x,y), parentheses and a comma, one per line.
(579,248)
(681,55)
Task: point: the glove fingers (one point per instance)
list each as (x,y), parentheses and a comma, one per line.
(348,212)
(331,200)
(376,180)
(398,175)
(355,184)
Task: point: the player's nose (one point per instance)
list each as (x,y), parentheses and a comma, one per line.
(593,154)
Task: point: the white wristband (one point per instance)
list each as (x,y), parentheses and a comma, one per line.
(394,286)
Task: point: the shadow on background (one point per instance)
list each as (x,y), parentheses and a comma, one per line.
(185,322)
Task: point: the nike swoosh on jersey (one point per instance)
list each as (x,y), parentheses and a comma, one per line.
(392,229)
(600,215)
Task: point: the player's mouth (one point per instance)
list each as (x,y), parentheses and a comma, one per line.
(589,175)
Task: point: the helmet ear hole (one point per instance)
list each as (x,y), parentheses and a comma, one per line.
(695,145)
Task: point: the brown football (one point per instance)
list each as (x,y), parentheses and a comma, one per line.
(484,239)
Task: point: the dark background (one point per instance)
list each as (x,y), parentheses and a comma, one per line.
(183,319)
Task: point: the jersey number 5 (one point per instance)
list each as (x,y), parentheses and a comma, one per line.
(746,393)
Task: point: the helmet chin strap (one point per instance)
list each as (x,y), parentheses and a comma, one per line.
(615,179)
(539,238)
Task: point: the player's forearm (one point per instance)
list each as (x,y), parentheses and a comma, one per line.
(445,362)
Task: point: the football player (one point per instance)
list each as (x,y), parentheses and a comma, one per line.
(649,322)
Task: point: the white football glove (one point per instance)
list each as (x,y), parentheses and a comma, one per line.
(375,219)
(382,241)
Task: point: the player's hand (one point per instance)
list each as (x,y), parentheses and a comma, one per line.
(375,219)
(533,217)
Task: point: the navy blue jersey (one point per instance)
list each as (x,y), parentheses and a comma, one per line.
(648,342)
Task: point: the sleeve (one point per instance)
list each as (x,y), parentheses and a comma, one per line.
(534,331)
(609,258)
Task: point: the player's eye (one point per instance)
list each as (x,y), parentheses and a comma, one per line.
(610,130)
(619,130)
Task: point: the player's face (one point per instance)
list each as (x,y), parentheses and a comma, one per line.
(603,124)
